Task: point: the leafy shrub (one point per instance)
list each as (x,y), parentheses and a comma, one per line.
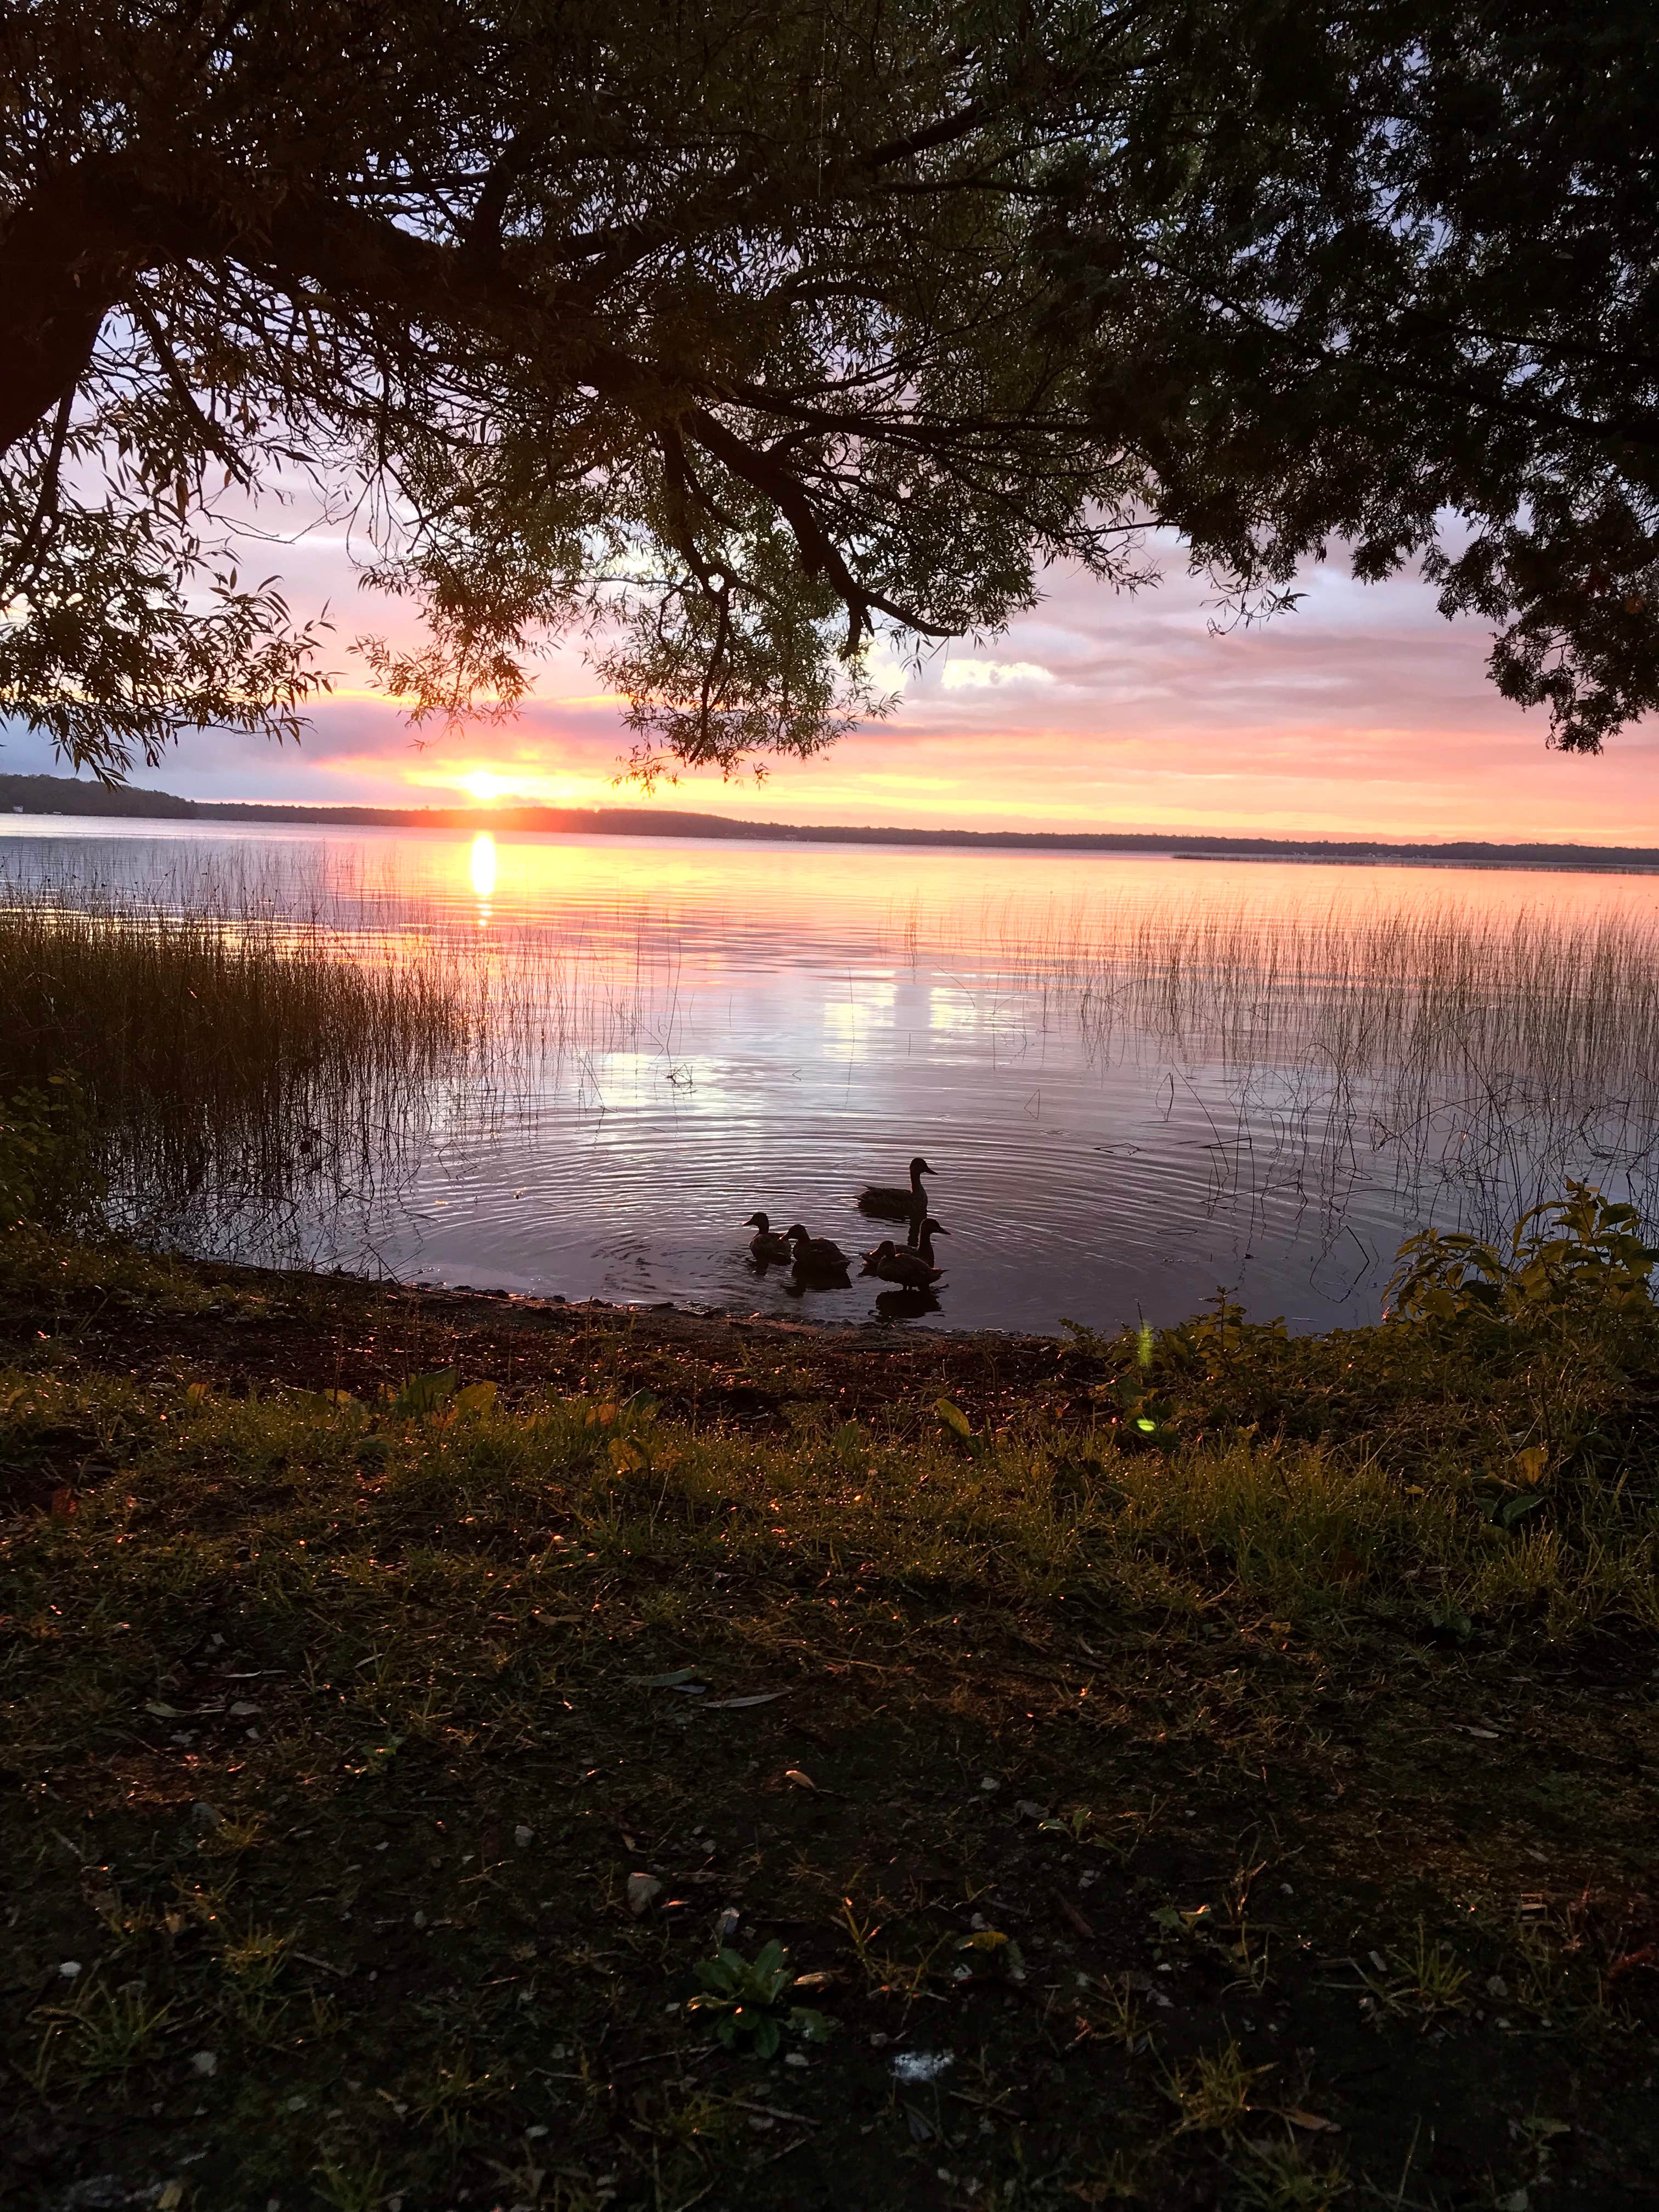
(1567,1254)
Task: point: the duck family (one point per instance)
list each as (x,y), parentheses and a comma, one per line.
(819,1261)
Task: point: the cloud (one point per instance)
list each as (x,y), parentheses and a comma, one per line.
(1362,712)
(988,675)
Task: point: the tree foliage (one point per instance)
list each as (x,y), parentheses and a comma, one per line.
(729,338)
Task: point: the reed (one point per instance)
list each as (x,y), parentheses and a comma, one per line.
(1496,1052)
(225,1057)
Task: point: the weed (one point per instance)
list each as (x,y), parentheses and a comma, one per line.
(103,2034)
(1281,2178)
(745,1998)
(1213,2093)
(1075,1825)
(1427,1979)
(254,1961)
(351,2188)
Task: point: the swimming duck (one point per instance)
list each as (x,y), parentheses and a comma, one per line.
(815,1255)
(768,1243)
(922,1234)
(899,1263)
(889,1202)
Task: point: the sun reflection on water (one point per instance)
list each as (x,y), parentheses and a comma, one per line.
(484,873)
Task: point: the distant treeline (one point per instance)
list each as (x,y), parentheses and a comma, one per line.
(58,794)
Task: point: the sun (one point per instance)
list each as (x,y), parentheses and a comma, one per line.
(481,784)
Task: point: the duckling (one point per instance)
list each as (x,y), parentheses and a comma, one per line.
(888,1202)
(815,1255)
(768,1243)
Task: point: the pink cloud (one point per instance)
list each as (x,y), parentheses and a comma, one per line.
(1363,712)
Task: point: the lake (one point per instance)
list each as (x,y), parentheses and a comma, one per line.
(1138,1079)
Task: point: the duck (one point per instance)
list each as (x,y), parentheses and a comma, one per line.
(815,1255)
(890,1202)
(767,1243)
(899,1263)
(921,1246)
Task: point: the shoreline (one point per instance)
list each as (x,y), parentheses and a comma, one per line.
(63,797)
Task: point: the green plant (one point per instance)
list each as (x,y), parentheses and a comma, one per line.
(1572,1252)
(47,1173)
(1426,1979)
(746,2000)
(351,2188)
(103,2033)
(1076,1824)
(1279,2178)
(1214,2092)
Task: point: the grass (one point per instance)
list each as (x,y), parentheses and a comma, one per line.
(225,1058)
(1488,1052)
(1242,1814)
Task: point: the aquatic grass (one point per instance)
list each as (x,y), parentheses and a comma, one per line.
(226,1064)
(1485,1056)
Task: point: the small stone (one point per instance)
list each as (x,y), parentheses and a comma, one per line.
(204,1816)
(419,1920)
(69,1969)
(1497,1986)
(205,2062)
(988,1783)
(643,1891)
(797,2058)
(524,1837)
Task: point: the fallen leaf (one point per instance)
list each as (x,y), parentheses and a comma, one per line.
(1073,1917)
(801,1780)
(171,2197)
(1311,2121)
(62,1503)
(731,1705)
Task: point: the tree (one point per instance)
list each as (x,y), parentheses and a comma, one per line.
(729,338)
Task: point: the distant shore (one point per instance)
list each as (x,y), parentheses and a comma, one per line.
(68,795)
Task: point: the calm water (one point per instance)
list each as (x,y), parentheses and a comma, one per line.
(1132,1091)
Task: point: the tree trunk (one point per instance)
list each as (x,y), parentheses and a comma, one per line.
(60,272)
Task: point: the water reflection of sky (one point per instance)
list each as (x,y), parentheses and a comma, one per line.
(724,1026)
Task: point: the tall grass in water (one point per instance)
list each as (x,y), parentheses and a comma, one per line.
(1496,1053)
(228,1060)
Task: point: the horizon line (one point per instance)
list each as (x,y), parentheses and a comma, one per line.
(30,794)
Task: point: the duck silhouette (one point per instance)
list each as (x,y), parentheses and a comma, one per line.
(816,1256)
(887,1201)
(767,1243)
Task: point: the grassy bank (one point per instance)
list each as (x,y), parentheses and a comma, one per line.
(1206,1770)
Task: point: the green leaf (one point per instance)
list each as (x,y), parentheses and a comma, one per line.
(424,1394)
(954,1419)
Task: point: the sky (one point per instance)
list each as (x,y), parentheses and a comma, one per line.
(1364,712)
